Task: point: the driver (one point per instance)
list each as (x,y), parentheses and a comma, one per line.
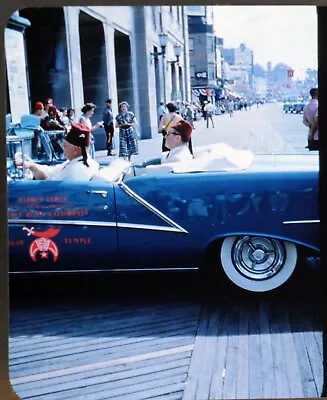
(79,165)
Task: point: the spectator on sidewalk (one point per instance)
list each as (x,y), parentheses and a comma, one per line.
(161,111)
(126,122)
(52,121)
(71,115)
(166,121)
(38,109)
(108,124)
(209,108)
(64,118)
(85,119)
(189,115)
(310,119)
(230,106)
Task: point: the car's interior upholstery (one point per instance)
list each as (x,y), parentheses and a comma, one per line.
(216,157)
(112,172)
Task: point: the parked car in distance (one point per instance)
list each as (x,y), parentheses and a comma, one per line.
(299,106)
(288,107)
(253,216)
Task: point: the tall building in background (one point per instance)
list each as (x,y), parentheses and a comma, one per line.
(241,65)
(203,55)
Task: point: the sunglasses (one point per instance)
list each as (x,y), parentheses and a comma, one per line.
(174,133)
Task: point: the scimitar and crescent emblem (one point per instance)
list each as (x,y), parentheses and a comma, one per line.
(43,244)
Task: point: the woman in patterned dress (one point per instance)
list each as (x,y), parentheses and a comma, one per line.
(126,122)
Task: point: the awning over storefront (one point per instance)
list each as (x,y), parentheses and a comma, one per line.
(204,90)
(231,95)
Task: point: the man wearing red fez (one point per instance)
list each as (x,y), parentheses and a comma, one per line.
(38,109)
(177,141)
(78,167)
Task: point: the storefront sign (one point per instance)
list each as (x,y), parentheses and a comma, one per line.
(201,75)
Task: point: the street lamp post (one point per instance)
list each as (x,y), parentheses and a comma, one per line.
(177,52)
(163,40)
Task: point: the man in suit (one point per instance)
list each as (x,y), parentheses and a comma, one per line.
(108,124)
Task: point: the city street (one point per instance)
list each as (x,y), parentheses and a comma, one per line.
(266,129)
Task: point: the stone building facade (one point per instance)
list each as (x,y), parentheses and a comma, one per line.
(87,54)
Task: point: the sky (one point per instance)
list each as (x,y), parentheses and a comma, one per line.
(285,34)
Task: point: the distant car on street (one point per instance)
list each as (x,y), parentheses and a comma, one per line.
(288,107)
(294,106)
(299,106)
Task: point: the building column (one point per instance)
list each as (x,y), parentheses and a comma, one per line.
(147,113)
(74,58)
(109,34)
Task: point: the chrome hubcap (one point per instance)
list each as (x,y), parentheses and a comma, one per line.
(258,258)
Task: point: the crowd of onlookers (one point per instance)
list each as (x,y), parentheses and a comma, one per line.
(61,119)
(206,109)
(52,118)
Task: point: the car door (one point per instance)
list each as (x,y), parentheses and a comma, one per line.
(61,226)
(153,225)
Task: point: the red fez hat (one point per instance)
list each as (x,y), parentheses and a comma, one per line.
(39,106)
(79,135)
(184,128)
(52,109)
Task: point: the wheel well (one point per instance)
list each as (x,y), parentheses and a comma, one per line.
(211,257)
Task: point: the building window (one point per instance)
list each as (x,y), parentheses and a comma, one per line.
(196,10)
(210,44)
(211,71)
(191,44)
(179,15)
(192,71)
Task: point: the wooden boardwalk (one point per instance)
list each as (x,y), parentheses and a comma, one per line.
(167,350)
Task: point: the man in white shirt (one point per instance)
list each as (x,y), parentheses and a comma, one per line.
(177,141)
(161,111)
(179,156)
(310,116)
(79,165)
(209,109)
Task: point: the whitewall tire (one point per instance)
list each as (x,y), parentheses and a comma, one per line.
(258,263)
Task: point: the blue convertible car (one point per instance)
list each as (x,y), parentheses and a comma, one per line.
(252,214)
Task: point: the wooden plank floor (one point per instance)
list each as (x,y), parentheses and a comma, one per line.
(167,350)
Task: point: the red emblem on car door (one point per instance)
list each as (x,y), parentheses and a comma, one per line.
(43,245)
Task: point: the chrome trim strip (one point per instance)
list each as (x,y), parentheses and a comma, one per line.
(150,207)
(94,223)
(78,271)
(61,222)
(309,221)
(149,227)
